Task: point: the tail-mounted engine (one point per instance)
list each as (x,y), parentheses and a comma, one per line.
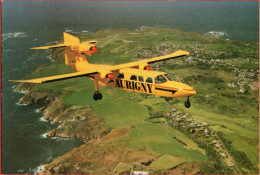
(88,49)
(85,48)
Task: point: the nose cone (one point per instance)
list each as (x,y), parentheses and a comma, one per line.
(182,90)
(191,92)
(186,92)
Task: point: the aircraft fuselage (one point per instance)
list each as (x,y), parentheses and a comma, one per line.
(138,80)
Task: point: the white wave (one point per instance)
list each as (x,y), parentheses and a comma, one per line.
(84,31)
(216,34)
(37,111)
(73,32)
(21,92)
(6,36)
(141,28)
(50,58)
(19,104)
(43,120)
(49,159)
(43,136)
(69,31)
(20,171)
(38,169)
(60,139)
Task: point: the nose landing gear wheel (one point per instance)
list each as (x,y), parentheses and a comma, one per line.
(97,96)
(187,103)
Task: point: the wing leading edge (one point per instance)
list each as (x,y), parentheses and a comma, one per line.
(57,77)
(173,55)
(176,54)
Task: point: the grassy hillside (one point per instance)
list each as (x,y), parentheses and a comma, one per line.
(136,134)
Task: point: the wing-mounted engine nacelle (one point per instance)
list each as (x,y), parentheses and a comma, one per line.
(145,67)
(108,75)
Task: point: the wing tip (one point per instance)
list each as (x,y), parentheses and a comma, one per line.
(43,47)
(15,81)
(184,52)
(52,46)
(34,48)
(25,81)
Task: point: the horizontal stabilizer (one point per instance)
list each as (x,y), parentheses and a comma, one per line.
(90,42)
(57,77)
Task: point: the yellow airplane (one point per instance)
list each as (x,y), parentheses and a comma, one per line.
(134,76)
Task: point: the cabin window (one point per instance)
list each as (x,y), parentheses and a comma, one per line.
(149,80)
(160,79)
(133,77)
(169,77)
(121,75)
(141,78)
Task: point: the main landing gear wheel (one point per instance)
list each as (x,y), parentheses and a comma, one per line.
(187,103)
(97,96)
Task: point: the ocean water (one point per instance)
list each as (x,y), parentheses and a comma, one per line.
(28,24)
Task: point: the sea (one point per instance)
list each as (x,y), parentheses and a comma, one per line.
(26,24)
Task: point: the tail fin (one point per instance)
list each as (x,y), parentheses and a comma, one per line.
(74,50)
(72,54)
(70,39)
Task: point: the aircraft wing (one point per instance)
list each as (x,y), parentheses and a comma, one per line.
(57,77)
(52,46)
(134,64)
(176,54)
(173,55)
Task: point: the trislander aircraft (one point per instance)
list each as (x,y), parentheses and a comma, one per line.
(134,76)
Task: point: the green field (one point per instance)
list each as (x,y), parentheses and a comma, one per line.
(213,65)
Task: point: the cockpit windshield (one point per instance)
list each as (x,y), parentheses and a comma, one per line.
(160,79)
(169,77)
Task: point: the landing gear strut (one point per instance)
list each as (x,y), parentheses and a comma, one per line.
(97,95)
(187,103)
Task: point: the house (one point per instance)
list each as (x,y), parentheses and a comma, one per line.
(218,145)
(174,110)
(230,162)
(214,141)
(223,155)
